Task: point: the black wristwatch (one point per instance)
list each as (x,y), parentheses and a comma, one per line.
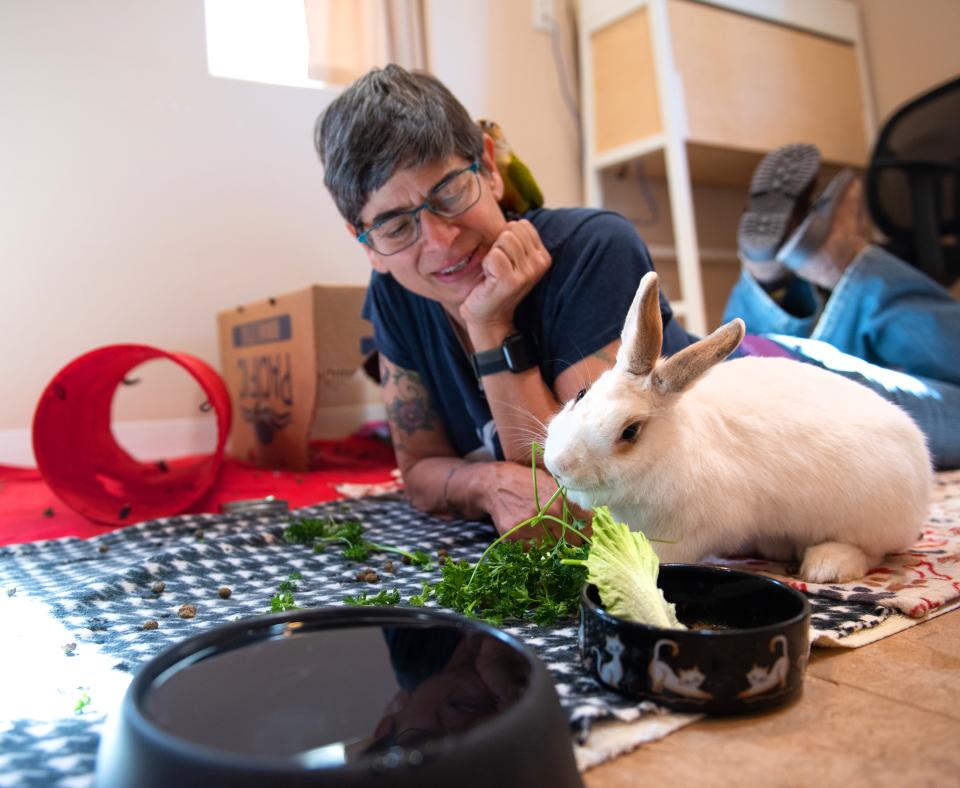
(515,354)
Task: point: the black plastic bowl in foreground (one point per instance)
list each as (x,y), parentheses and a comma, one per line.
(746,648)
(341,696)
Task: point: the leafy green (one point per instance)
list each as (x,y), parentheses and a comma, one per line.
(282,602)
(419,558)
(522,580)
(309,530)
(516,581)
(382,598)
(323,532)
(624,567)
(356,552)
(418,600)
(82,703)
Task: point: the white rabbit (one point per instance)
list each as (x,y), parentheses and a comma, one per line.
(755,455)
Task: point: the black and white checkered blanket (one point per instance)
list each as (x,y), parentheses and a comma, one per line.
(97,594)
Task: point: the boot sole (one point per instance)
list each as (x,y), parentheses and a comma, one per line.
(784,178)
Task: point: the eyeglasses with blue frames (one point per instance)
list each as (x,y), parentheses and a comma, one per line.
(454,195)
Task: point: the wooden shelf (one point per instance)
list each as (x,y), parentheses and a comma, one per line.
(709,164)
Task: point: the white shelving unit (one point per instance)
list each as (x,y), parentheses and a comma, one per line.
(700,90)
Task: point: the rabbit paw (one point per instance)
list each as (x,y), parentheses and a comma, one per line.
(833,562)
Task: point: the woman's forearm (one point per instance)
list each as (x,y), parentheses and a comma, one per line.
(449,485)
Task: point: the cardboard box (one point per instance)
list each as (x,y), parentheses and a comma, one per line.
(294,368)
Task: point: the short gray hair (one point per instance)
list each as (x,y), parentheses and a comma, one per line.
(388,120)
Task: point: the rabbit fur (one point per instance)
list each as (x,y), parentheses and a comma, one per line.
(765,456)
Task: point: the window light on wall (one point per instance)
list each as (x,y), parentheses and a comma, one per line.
(311,43)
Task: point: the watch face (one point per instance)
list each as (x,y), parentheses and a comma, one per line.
(516,353)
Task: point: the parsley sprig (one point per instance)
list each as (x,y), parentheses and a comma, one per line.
(283,600)
(82,703)
(419,600)
(515,581)
(523,580)
(382,598)
(323,532)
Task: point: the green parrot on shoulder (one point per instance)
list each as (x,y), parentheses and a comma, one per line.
(520,190)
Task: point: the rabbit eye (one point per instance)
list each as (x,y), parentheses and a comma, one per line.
(580,395)
(630,433)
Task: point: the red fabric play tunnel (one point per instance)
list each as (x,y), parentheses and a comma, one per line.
(81,460)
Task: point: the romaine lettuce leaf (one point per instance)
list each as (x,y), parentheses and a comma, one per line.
(623,566)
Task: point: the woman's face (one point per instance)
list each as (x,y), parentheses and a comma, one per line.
(445,263)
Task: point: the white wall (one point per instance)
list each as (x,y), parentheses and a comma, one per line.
(911,47)
(500,67)
(139,195)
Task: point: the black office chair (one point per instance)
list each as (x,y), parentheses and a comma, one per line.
(913,182)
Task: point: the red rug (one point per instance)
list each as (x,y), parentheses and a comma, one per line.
(30,510)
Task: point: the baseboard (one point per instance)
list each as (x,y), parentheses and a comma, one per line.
(180,437)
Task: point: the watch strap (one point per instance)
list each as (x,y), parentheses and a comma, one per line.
(514,354)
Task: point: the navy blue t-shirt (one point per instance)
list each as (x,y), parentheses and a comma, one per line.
(578,308)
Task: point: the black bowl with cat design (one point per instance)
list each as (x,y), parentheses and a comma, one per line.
(745,648)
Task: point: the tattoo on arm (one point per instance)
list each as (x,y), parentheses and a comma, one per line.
(410,409)
(410,415)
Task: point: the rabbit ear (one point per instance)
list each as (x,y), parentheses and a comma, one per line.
(642,335)
(680,370)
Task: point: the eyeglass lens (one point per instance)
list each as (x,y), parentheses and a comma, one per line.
(450,199)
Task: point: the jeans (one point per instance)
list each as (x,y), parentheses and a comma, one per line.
(885,325)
